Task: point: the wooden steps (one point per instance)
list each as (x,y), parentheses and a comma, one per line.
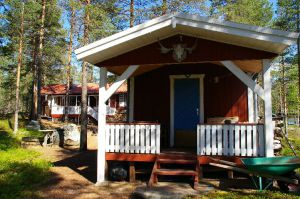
(175,165)
(176,161)
(175,172)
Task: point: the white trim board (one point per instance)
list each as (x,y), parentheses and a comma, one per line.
(201,100)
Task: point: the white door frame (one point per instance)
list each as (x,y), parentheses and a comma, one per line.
(201,98)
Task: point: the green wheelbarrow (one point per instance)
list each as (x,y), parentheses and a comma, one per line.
(281,169)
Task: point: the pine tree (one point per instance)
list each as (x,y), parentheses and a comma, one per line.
(71,7)
(253,12)
(20,57)
(83,116)
(288,18)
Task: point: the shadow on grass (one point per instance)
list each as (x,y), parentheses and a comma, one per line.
(7,141)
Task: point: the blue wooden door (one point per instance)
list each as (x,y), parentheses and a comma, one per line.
(186,104)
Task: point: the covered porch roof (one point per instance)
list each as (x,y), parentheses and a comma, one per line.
(117,52)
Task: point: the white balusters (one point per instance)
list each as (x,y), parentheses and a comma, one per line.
(230,139)
(133,138)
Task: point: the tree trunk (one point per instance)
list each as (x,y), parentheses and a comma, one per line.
(91,78)
(34,81)
(20,56)
(298,43)
(84,118)
(164,7)
(72,23)
(131,13)
(40,59)
(284,93)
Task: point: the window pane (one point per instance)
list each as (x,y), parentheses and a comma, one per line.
(78,100)
(72,101)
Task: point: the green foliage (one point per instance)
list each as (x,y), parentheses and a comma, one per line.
(287,11)
(254,12)
(54,48)
(21,171)
(7,141)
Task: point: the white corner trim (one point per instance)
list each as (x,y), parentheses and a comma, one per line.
(244,78)
(120,80)
(201,101)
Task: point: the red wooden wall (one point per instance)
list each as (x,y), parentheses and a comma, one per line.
(206,50)
(228,97)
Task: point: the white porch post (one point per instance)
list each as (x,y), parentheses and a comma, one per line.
(269,134)
(250,105)
(101,127)
(256,108)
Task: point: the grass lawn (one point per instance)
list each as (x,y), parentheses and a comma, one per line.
(21,170)
(294,137)
(246,195)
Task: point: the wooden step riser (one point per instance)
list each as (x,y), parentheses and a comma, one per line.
(169,161)
(177,157)
(175,173)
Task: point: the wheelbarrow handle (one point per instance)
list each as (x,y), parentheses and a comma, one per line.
(223,162)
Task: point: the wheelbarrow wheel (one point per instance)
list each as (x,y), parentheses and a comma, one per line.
(289,187)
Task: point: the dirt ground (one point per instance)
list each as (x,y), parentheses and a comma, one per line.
(73,175)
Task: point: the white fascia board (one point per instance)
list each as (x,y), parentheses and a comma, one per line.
(124,36)
(263,33)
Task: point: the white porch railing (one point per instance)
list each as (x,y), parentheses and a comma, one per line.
(76,110)
(230,139)
(133,138)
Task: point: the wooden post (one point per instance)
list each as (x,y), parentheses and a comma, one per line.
(131,100)
(256,115)
(250,106)
(230,174)
(131,172)
(269,134)
(101,128)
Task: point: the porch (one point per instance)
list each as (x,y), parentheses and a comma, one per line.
(212,139)
(140,142)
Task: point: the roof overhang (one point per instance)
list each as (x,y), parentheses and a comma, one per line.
(254,37)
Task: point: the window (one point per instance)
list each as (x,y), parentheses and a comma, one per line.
(59,101)
(122,100)
(72,101)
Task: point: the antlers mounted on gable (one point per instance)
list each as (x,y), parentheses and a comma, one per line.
(180,50)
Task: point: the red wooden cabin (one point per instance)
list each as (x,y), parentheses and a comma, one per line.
(183,72)
(54,99)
